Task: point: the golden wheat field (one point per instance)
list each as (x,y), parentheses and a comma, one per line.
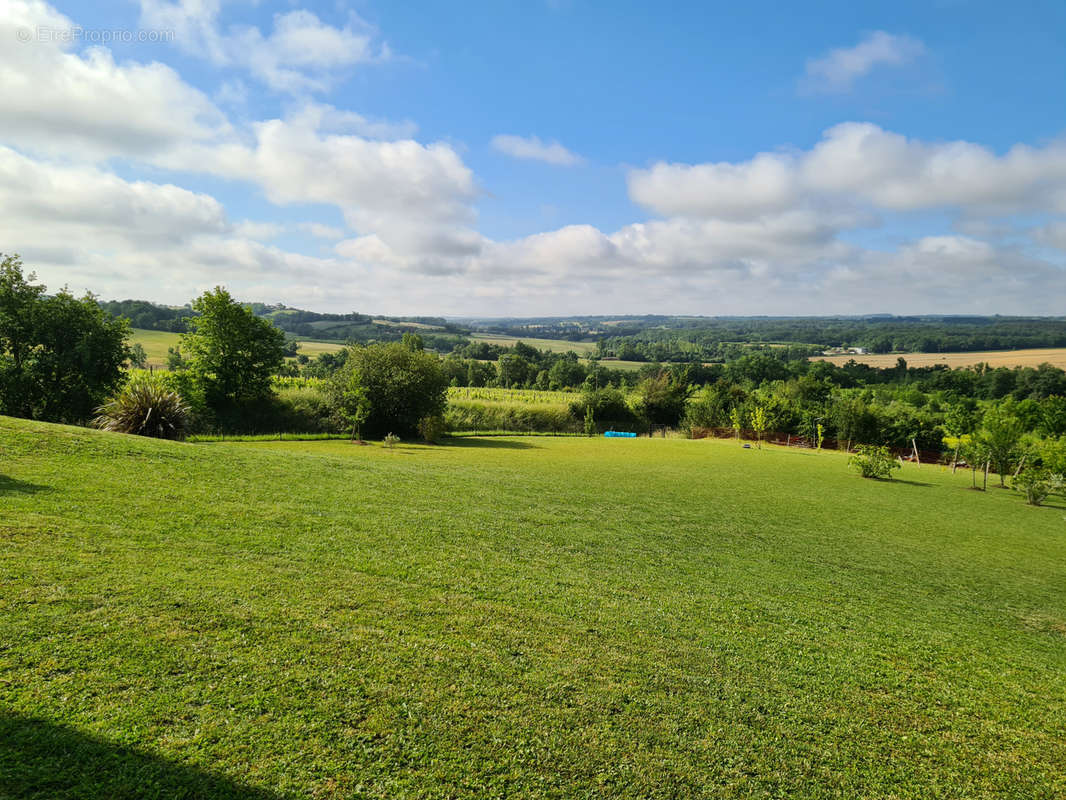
(1055,356)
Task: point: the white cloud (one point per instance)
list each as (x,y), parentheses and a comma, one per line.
(321,231)
(860,163)
(533,149)
(87,105)
(839,69)
(301,54)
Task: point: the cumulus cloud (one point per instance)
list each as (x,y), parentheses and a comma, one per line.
(85,104)
(533,149)
(862,163)
(300,54)
(780,232)
(839,69)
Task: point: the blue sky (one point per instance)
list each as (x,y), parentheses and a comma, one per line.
(543,157)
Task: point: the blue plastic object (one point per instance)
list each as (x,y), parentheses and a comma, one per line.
(620,435)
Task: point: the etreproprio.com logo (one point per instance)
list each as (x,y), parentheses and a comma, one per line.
(79,35)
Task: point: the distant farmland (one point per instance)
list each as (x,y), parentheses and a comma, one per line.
(554,345)
(995,358)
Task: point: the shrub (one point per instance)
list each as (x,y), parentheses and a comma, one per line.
(145,406)
(469,415)
(873,461)
(1036,483)
(390,440)
(431,428)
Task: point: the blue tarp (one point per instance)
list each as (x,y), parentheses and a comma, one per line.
(620,435)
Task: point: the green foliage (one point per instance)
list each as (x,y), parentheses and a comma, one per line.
(390,440)
(590,420)
(873,461)
(735,421)
(231,353)
(349,398)
(60,356)
(661,399)
(609,407)
(1001,435)
(400,386)
(1037,483)
(759,423)
(138,357)
(175,360)
(145,406)
(431,428)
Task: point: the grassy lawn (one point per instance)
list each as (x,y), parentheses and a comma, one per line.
(520,617)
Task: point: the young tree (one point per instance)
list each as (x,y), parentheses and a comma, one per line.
(231,353)
(138,358)
(735,421)
(1001,434)
(60,356)
(349,399)
(758,424)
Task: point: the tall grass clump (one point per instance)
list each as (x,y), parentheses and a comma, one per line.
(145,406)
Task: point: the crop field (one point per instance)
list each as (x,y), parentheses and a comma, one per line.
(524,617)
(517,396)
(995,358)
(552,345)
(312,348)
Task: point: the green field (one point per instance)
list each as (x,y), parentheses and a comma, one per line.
(155,344)
(552,345)
(519,617)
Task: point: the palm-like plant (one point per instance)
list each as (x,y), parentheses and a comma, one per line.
(145,406)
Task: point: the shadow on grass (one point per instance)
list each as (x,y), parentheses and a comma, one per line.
(40,759)
(909,483)
(10,485)
(485,442)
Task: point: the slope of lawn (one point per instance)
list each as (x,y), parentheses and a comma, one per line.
(518,617)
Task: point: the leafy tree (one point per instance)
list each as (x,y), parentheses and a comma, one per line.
(590,421)
(175,360)
(662,398)
(401,385)
(231,352)
(758,424)
(348,397)
(1001,434)
(736,422)
(60,356)
(138,357)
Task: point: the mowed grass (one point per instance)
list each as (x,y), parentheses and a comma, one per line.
(1056,356)
(523,617)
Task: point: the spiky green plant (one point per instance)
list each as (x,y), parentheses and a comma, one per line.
(145,406)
